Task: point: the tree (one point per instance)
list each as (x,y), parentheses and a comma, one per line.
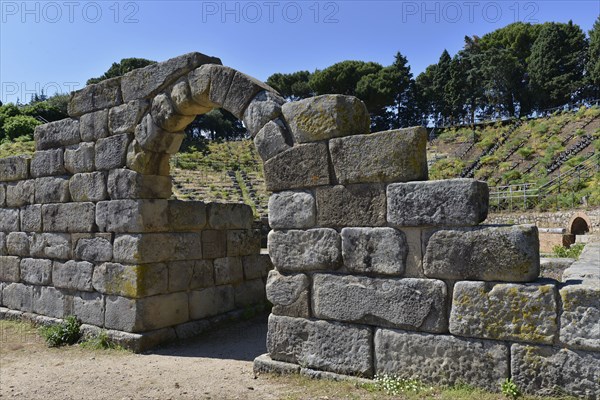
(294,86)
(121,68)
(440,96)
(343,77)
(217,124)
(593,65)
(19,125)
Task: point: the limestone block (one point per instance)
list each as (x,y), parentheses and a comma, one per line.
(126,184)
(374,250)
(31,218)
(146,314)
(508,253)
(95,97)
(36,271)
(325,117)
(3,251)
(302,166)
(310,250)
(94,249)
(2,195)
(187,245)
(505,311)
(264,107)
(184,103)
(57,134)
(14,168)
(580,318)
(52,189)
(153,138)
(132,281)
(414,259)
(88,187)
(190,274)
(243,242)
(51,245)
(17,244)
(48,163)
(147,162)
(414,304)
(80,158)
(242,90)
(68,217)
(452,202)
(441,359)
(73,275)
(200,82)
(324,345)
(148,81)
(228,270)
(353,205)
(272,139)
(256,266)
(144,248)
(10,269)
(111,152)
(89,308)
(292,210)
(124,118)
(132,216)
(211,301)
(247,293)
(18,296)
(49,301)
(93,126)
(391,156)
(214,244)
(221,78)
(202,274)
(543,370)
(288,294)
(165,115)
(20,193)
(229,216)
(9,220)
(187,215)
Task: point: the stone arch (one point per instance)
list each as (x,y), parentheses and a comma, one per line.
(579,224)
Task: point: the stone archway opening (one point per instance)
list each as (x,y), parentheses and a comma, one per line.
(579,226)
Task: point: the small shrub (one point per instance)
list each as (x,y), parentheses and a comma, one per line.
(525,152)
(65,333)
(572,252)
(510,389)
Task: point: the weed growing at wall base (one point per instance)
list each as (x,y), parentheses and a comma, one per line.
(510,389)
(62,334)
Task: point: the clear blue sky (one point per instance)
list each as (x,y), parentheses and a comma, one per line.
(60,44)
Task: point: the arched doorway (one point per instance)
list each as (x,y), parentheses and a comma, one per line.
(579,224)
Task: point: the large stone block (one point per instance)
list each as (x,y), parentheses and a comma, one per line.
(211,301)
(124,118)
(353,205)
(14,168)
(265,107)
(147,162)
(89,308)
(292,210)
(9,220)
(374,251)
(509,253)
(453,202)
(229,216)
(257,266)
(272,139)
(441,359)
(132,281)
(543,371)
(214,244)
(288,294)
(31,218)
(228,270)
(36,271)
(325,117)
(183,101)
(80,158)
(127,184)
(52,189)
(153,138)
(3,251)
(392,156)
(242,90)
(165,115)
(143,248)
(95,97)
(10,269)
(580,318)
(48,163)
(20,193)
(93,249)
(93,126)
(504,311)
(18,244)
(51,245)
(88,187)
(330,346)
(69,217)
(49,302)
(414,259)
(2,195)
(413,304)
(302,166)
(73,275)
(132,216)
(57,134)
(187,215)
(243,242)
(18,296)
(190,274)
(311,250)
(111,152)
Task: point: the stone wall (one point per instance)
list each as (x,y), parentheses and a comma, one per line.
(559,219)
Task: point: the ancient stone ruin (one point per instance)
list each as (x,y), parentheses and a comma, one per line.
(376,269)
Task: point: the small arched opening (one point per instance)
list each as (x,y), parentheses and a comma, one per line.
(579,226)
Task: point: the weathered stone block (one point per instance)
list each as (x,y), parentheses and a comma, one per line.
(126,184)
(302,166)
(414,259)
(329,346)
(311,250)
(2,195)
(89,308)
(132,281)
(228,270)
(20,194)
(95,249)
(187,215)
(542,370)
(288,294)
(132,216)
(73,275)
(214,244)
(242,90)
(414,304)
(93,126)
(392,156)
(49,302)
(69,217)
(51,245)
(441,359)
(18,296)
(509,253)
(147,162)
(111,152)
(153,138)
(243,242)
(14,168)
(52,189)
(57,134)
(88,187)
(124,118)
(452,202)
(80,158)
(31,218)
(353,205)
(229,216)
(165,115)
(580,318)
(374,250)
(17,244)
(257,266)
(9,220)
(48,163)
(191,274)
(10,269)
(325,117)
(504,311)
(211,301)
(3,251)
(36,271)
(292,210)
(272,139)
(265,107)
(144,248)
(95,97)
(183,101)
